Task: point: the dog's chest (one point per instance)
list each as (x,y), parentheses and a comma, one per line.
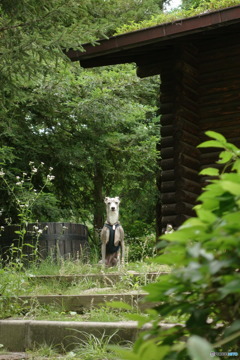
(113,238)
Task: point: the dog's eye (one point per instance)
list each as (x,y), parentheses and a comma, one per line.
(109,203)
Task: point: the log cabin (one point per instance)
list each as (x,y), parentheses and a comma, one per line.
(198,60)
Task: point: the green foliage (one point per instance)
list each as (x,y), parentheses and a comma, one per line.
(205,285)
(141,247)
(89,125)
(189,8)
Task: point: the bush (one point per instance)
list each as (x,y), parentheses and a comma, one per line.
(205,285)
(141,248)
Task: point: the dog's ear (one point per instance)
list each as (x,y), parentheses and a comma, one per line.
(106,199)
(118,199)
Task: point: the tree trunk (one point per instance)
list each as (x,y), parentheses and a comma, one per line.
(98,200)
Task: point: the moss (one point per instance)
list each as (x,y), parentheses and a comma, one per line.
(206,6)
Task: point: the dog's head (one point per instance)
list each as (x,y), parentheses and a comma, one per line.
(112,204)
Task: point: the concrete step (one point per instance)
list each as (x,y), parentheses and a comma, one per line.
(19,335)
(108,278)
(79,303)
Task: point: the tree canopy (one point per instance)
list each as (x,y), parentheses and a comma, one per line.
(90,126)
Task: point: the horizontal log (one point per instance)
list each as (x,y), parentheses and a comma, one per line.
(186,137)
(167,108)
(229,67)
(168,198)
(167,141)
(166,130)
(217,49)
(219,87)
(222,108)
(166,97)
(183,124)
(190,69)
(208,154)
(179,196)
(181,184)
(168,175)
(220,62)
(178,208)
(187,196)
(182,147)
(167,153)
(167,164)
(189,93)
(226,97)
(178,161)
(229,132)
(182,171)
(168,186)
(188,161)
(186,102)
(222,122)
(184,113)
(186,80)
(167,119)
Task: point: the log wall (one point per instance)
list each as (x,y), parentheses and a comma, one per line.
(179,184)
(200,91)
(219,91)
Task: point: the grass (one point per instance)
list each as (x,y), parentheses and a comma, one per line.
(14,284)
(69,267)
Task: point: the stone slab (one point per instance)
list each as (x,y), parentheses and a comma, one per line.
(22,335)
(86,301)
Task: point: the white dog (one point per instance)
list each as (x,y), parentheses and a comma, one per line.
(112,234)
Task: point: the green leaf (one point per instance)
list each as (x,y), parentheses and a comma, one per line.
(199,348)
(225,156)
(232,287)
(128,355)
(205,215)
(232,328)
(231,186)
(236,165)
(150,351)
(215,135)
(211,143)
(210,172)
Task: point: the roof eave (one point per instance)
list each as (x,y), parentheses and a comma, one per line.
(158,33)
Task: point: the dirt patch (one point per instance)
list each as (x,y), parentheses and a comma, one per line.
(14,356)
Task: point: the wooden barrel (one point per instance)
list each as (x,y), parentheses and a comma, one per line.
(52,239)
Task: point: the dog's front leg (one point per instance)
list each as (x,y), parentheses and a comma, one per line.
(104,239)
(122,252)
(103,254)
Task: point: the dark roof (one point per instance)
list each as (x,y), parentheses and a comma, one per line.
(130,47)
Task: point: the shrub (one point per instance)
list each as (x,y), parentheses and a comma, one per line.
(205,285)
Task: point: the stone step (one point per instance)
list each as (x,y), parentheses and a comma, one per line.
(19,335)
(109,278)
(79,303)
